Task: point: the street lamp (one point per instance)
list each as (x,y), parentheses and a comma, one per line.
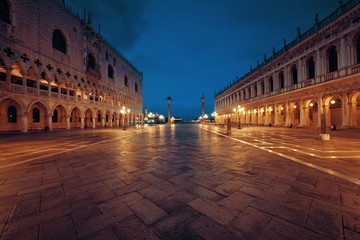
(214,114)
(238,110)
(123,111)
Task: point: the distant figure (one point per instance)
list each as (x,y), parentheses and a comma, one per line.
(316,18)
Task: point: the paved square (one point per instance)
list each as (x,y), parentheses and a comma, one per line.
(180,182)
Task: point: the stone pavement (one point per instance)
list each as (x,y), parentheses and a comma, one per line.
(179,182)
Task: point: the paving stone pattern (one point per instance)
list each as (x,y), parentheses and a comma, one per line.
(169,182)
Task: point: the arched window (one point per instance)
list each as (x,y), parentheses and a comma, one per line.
(4,11)
(262,87)
(55,116)
(333,61)
(58,41)
(358,49)
(136,87)
(255,90)
(110,72)
(281,80)
(99,117)
(90,62)
(271,81)
(294,73)
(311,68)
(36,115)
(126,81)
(12,114)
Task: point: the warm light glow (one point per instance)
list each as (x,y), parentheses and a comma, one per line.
(332,102)
(262,110)
(311,104)
(270,108)
(294,106)
(281,108)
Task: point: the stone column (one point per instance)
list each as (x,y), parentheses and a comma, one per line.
(287,113)
(353,120)
(49,121)
(102,121)
(24,121)
(68,123)
(318,68)
(82,122)
(345,111)
(343,62)
(93,122)
(277,115)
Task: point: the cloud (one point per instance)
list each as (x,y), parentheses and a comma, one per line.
(121,21)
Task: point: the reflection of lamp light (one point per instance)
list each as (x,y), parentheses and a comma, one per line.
(311,104)
(332,101)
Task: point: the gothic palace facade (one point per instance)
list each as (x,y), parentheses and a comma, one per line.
(318,74)
(57,72)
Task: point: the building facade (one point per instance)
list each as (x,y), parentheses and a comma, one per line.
(57,72)
(313,80)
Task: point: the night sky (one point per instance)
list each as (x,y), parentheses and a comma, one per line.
(190,48)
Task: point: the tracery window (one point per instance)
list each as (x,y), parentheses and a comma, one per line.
(58,41)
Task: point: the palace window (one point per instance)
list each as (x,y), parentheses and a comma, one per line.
(90,62)
(36,115)
(294,73)
(333,60)
(126,81)
(58,41)
(99,117)
(12,114)
(262,87)
(281,80)
(271,80)
(136,87)
(110,72)
(255,90)
(311,68)
(55,116)
(4,11)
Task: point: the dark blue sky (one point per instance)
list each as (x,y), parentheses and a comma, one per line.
(187,48)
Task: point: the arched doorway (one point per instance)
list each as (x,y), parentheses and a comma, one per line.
(37,117)
(313,114)
(10,115)
(98,118)
(59,117)
(335,109)
(75,120)
(88,121)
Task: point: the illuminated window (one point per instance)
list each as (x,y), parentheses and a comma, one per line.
(4,11)
(58,41)
(12,114)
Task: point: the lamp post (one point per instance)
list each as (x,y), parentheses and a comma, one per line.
(214,114)
(123,111)
(238,110)
(169,114)
(202,109)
